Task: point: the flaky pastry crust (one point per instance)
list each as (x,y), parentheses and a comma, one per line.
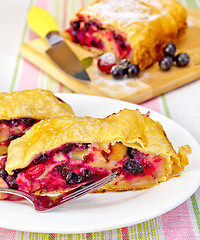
(33,103)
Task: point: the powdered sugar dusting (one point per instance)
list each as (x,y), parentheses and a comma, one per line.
(121,88)
(190,23)
(108,58)
(126,11)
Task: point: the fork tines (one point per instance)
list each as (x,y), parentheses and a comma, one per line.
(82,190)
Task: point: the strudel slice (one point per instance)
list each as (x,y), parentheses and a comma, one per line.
(132,29)
(19,111)
(58,154)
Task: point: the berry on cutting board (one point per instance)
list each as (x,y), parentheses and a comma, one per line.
(106,61)
(170,49)
(117,73)
(182,59)
(133,70)
(165,63)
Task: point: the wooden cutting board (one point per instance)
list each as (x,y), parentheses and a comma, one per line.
(151,82)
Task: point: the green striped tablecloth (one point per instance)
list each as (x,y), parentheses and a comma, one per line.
(182,105)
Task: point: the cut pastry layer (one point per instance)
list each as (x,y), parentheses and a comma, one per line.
(19,111)
(58,154)
(132,29)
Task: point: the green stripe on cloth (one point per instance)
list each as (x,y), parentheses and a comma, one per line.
(18,55)
(196,210)
(119,234)
(153,229)
(146,232)
(103,235)
(192,4)
(139,231)
(133,231)
(57,236)
(36,235)
(83,236)
(167,113)
(110,234)
(22,235)
(30,235)
(69,236)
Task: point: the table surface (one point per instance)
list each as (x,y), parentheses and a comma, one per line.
(182,105)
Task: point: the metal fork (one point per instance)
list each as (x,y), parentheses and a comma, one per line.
(42,203)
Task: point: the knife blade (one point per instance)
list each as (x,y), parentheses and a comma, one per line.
(59,52)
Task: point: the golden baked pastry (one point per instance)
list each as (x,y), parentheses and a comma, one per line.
(57,154)
(132,29)
(20,110)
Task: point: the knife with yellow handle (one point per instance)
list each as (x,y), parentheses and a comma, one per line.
(42,23)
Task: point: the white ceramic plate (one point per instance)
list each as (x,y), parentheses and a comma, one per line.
(98,212)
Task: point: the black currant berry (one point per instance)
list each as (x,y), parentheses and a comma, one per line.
(3,173)
(132,166)
(42,158)
(117,73)
(170,49)
(133,152)
(182,59)
(76,25)
(166,63)
(11,181)
(76,178)
(133,70)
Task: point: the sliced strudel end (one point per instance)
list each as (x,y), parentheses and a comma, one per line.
(19,111)
(132,29)
(58,154)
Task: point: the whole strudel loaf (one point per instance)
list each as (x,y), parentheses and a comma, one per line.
(132,29)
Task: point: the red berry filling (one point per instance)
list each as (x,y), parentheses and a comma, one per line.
(14,128)
(123,48)
(58,170)
(84,33)
(35,171)
(75,163)
(91,34)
